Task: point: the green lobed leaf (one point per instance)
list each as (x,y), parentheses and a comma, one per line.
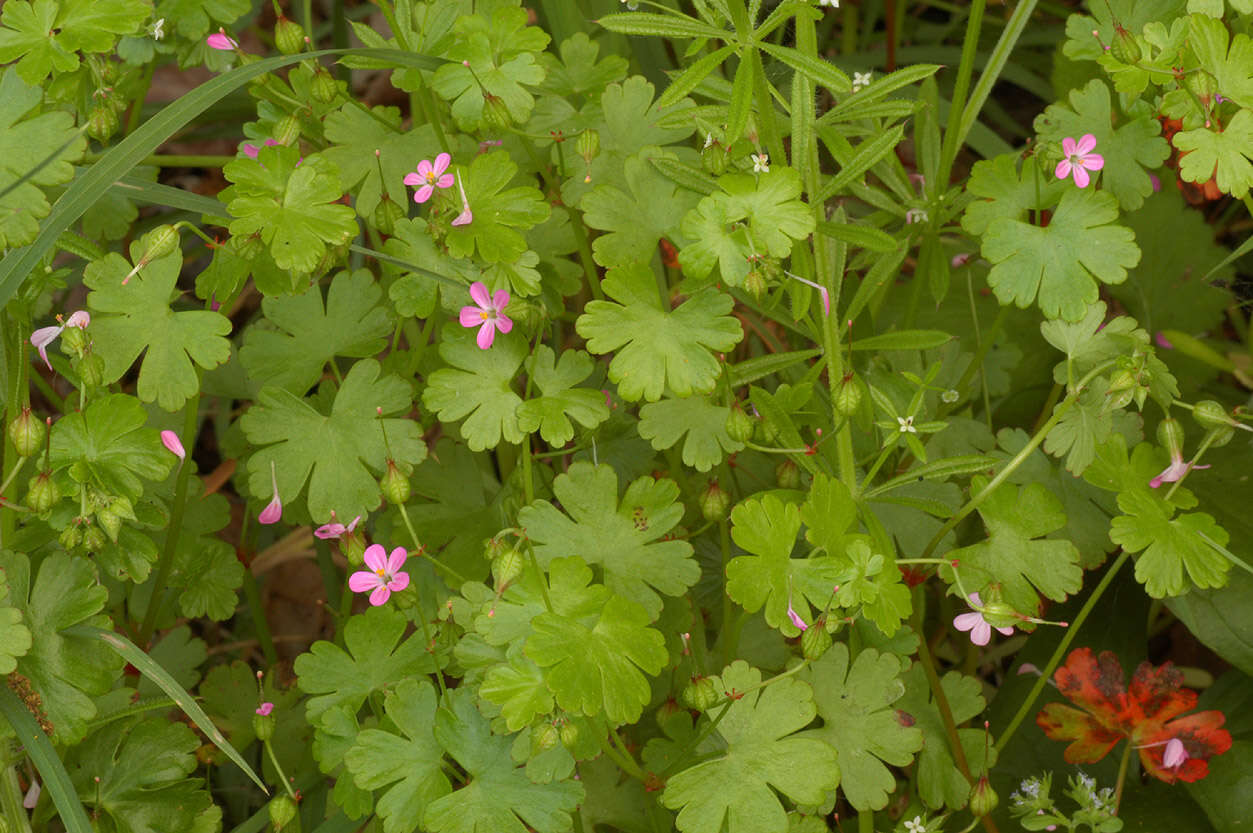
(560,401)
(109,446)
(1169,545)
(704,423)
(479,388)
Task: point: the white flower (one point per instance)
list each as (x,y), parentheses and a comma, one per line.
(709,139)
(761,163)
(915,826)
(861,79)
(835,4)
(915,215)
(949,396)
(907,425)
(157,29)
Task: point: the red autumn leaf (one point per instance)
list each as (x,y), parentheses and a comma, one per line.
(1145,715)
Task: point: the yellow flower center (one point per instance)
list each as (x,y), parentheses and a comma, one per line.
(485,314)
(431,178)
(380,573)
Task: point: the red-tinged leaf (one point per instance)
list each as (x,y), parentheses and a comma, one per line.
(1109,711)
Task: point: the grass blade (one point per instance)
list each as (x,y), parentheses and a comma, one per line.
(39,748)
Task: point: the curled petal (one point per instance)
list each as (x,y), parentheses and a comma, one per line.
(272,513)
(796,619)
(376,557)
(487,334)
(363,581)
(264,709)
(464,218)
(478,291)
(471,316)
(221,41)
(32,796)
(380,596)
(80,319)
(41,338)
(173,444)
(1175,753)
(331,530)
(1085,144)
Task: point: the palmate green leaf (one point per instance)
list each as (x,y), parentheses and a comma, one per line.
(108,446)
(855,702)
(717,240)
(44,35)
(703,422)
(357,135)
(559,400)
(1058,266)
(464,509)
(292,202)
(517,686)
(135,317)
(15,638)
(756,755)
(499,215)
(1087,341)
(427,28)
(207,571)
(1008,192)
(594,645)
(658,349)
(335,453)
(635,221)
(376,656)
(1169,545)
(134,773)
(1085,425)
(497,797)
(478,386)
(308,336)
(24,142)
(621,537)
(194,18)
(1233,70)
(1223,155)
(1014,556)
(66,671)
(766,527)
(940,783)
(403,757)
(1130,150)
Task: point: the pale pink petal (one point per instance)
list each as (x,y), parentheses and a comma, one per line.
(1175,754)
(982,634)
(396,560)
(331,530)
(441,164)
(464,218)
(272,513)
(399,582)
(446,181)
(1093,161)
(354,523)
(32,796)
(487,334)
(175,446)
(478,291)
(975,599)
(1157,183)
(80,319)
(1081,176)
(1063,169)
(413,179)
(1162,341)
(1006,631)
(363,580)
(1068,146)
(376,557)
(423,194)
(41,338)
(424,169)
(826,300)
(796,618)
(220,41)
(250,150)
(471,316)
(504,323)
(264,709)
(1085,144)
(967,621)
(380,596)
(500,300)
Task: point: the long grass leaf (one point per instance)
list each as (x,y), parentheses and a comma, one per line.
(56,780)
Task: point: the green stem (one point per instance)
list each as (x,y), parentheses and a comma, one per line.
(417,543)
(937,690)
(727,633)
(585,252)
(961,87)
(11,800)
(1122,776)
(1060,651)
(252,595)
(430,644)
(282,776)
(326,566)
(191,413)
(625,762)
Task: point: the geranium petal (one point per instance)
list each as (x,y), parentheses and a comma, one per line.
(478,291)
(423,194)
(1081,176)
(380,596)
(471,316)
(487,334)
(1093,161)
(1085,144)
(412,179)
(1068,146)
(446,181)
(1062,170)
(464,218)
(362,581)
(504,323)
(376,557)
(424,168)
(396,560)
(500,299)
(441,163)
(967,621)
(399,582)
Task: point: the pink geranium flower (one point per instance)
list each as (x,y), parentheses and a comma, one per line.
(173,444)
(384,576)
(489,314)
(221,41)
(980,630)
(1079,159)
(250,150)
(1175,471)
(264,709)
(273,512)
(429,177)
(41,338)
(335,529)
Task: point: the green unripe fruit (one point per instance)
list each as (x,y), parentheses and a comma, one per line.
(787,475)
(755,284)
(160,242)
(282,811)
(739,424)
(289,36)
(506,567)
(1000,615)
(495,114)
(1170,436)
(1202,84)
(386,213)
(1124,47)
(287,130)
(73,341)
(94,539)
(700,694)
(91,370)
(714,159)
(983,799)
(1213,417)
(101,122)
(588,145)
(324,88)
(815,641)
(848,397)
(395,485)
(544,738)
(110,522)
(42,492)
(263,725)
(569,735)
(70,537)
(27,433)
(714,502)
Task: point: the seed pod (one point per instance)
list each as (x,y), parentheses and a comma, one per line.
(282,811)
(714,159)
(848,397)
(815,640)
(787,475)
(27,433)
(110,522)
(289,36)
(70,537)
(1170,436)
(739,424)
(1202,84)
(386,213)
(324,88)
(287,130)
(395,485)
(588,145)
(263,726)
(506,567)
(42,492)
(700,694)
(569,735)
(102,122)
(495,114)
(714,502)
(983,799)
(544,738)
(1124,47)
(91,370)
(1213,417)
(94,539)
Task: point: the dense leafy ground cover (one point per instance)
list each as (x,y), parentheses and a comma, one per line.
(474,417)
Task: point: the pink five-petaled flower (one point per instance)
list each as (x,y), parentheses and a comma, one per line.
(1175,471)
(430,176)
(41,338)
(264,709)
(384,576)
(489,316)
(1079,159)
(335,529)
(221,41)
(272,513)
(250,150)
(173,444)
(980,630)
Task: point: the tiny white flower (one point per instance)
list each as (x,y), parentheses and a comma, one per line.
(915,826)
(761,163)
(915,215)
(949,396)
(709,139)
(157,29)
(834,4)
(861,79)
(907,425)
